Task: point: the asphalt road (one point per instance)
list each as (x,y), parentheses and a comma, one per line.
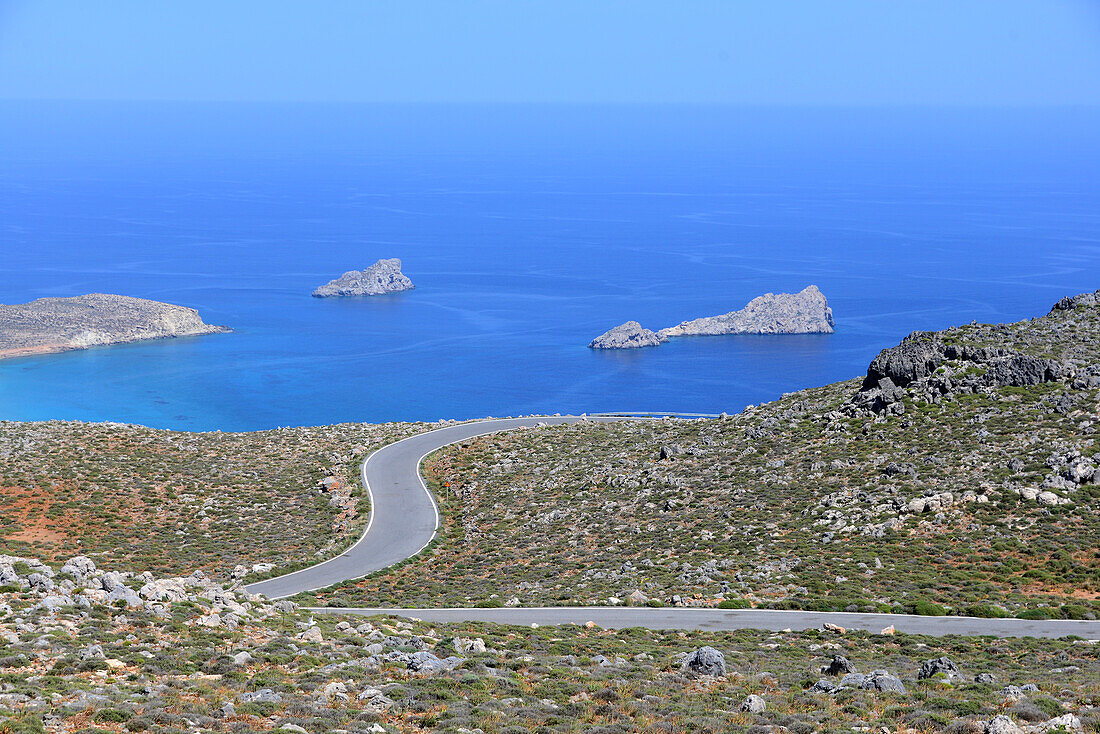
(404,519)
(689,618)
(404,516)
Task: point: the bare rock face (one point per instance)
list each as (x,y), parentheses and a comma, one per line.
(98,319)
(630,335)
(805,312)
(384,276)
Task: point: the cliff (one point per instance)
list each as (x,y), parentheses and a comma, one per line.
(383,277)
(60,324)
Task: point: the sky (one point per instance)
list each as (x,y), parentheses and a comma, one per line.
(779,52)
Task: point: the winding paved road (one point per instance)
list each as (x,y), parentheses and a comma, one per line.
(404,518)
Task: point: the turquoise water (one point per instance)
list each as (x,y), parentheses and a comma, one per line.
(528,231)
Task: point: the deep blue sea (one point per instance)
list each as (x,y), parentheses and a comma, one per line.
(528,231)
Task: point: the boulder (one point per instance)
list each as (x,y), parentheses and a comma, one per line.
(1001,724)
(753,704)
(881,680)
(705,661)
(939,666)
(839,665)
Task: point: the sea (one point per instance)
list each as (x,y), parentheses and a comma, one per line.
(528,230)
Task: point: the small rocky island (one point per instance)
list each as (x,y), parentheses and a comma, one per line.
(383,277)
(805,312)
(60,324)
(630,335)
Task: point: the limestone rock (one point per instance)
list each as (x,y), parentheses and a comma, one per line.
(630,335)
(383,277)
(753,704)
(805,312)
(705,661)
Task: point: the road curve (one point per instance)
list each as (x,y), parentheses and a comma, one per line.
(691,618)
(404,516)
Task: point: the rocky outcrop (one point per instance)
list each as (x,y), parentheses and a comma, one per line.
(98,319)
(930,366)
(630,335)
(805,312)
(383,277)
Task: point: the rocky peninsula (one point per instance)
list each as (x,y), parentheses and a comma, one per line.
(630,335)
(383,277)
(97,319)
(805,312)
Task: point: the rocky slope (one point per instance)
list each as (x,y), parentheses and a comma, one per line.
(384,276)
(805,312)
(630,335)
(60,324)
(85,650)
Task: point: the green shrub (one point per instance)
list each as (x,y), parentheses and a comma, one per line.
(112,716)
(489,604)
(734,604)
(1037,613)
(988,611)
(928,609)
(1076,611)
(25,724)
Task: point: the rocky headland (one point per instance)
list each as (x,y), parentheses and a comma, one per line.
(805,312)
(383,277)
(60,324)
(630,335)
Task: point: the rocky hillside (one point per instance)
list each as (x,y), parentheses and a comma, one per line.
(959,476)
(60,324)
(84,649)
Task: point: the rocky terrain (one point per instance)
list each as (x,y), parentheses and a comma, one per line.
(175,502)
(805,312)
(630,335)
(384,276)
(968,485)
(84,649)
(60,324)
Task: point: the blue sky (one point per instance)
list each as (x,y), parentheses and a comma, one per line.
(781,52)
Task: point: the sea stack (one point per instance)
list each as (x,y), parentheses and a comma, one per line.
(630,335)
(383,277)
(805,312)
(98,319)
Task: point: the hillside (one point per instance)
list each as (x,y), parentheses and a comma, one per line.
(91,650)
(959,476)
(173,502)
